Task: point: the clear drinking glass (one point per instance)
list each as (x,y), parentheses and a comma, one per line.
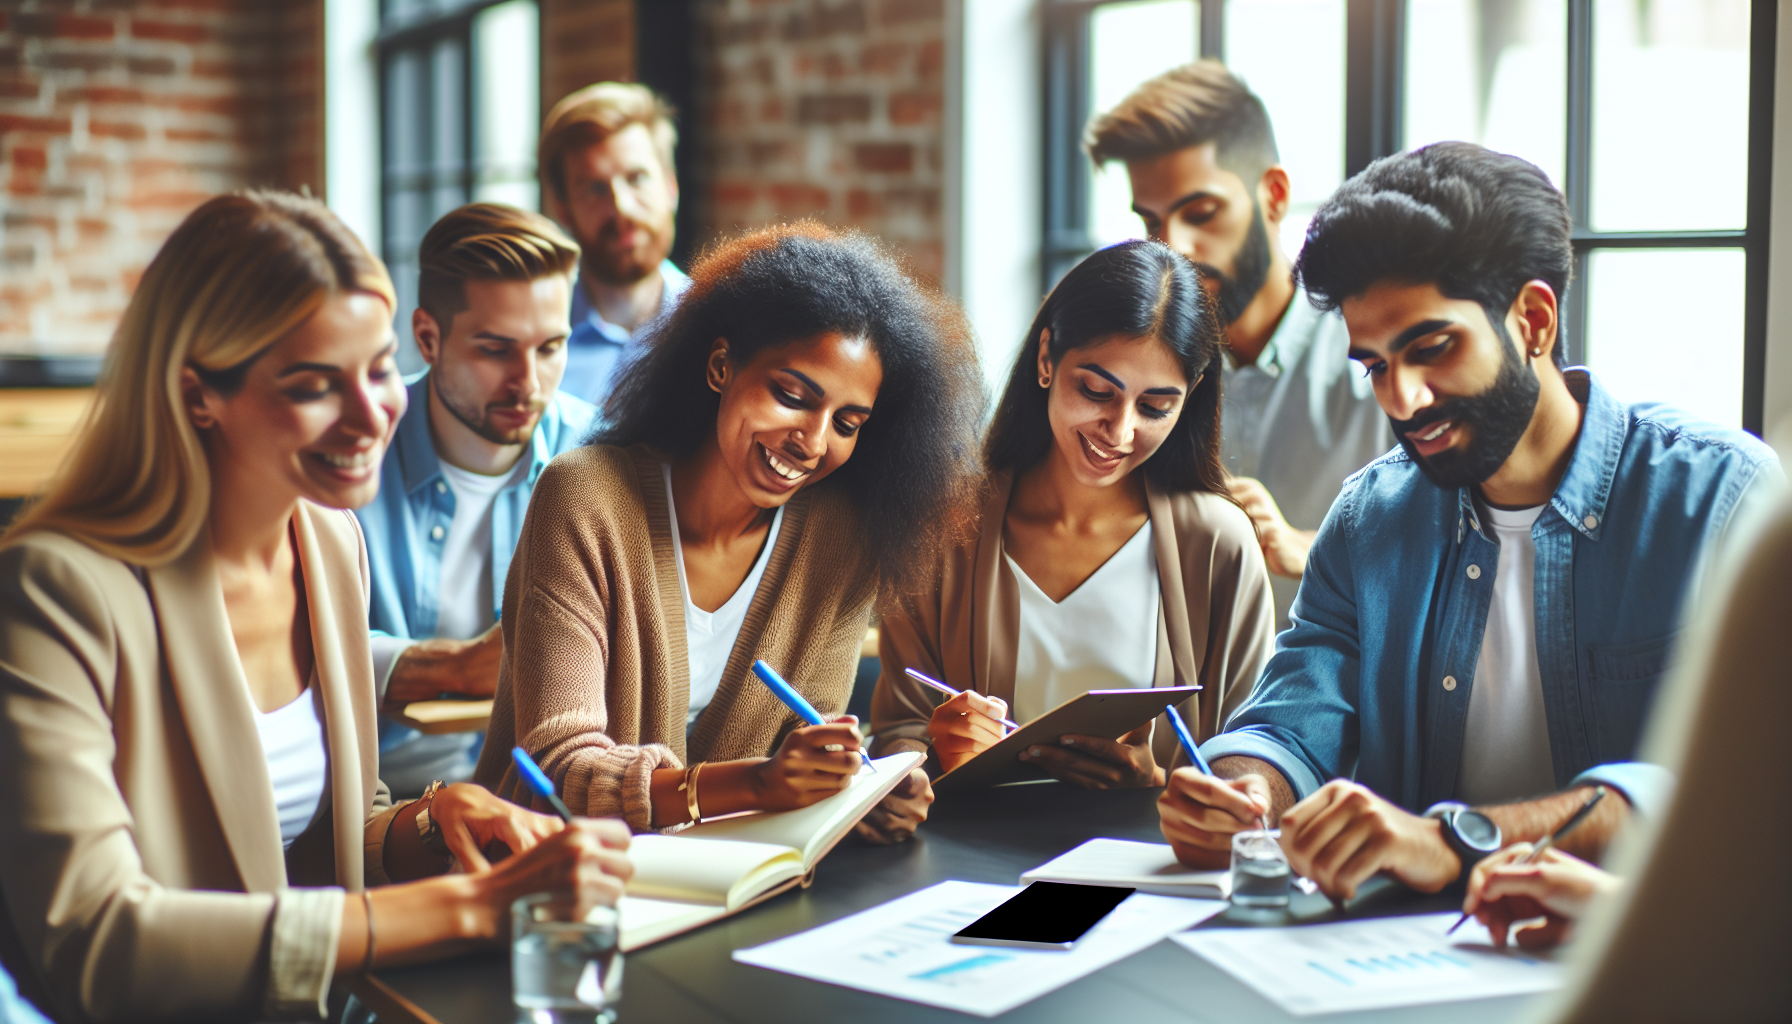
(1259,869)
(563,972)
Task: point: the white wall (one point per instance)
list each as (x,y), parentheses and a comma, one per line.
(994,175)
(352,116)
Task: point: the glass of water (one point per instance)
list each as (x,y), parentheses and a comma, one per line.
(563,972)
(1259,869)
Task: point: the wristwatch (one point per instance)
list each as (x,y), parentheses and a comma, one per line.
(1470,833)
(428,829)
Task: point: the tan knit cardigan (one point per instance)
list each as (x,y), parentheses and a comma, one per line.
(594,681)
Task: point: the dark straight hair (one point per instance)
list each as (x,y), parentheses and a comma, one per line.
(1130,290)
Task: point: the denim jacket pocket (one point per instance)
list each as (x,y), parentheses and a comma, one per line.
(1624,680)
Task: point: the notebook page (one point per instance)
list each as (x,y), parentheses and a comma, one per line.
(693,870)
(814,828)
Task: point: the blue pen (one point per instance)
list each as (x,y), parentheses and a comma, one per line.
(538,781)
(1194,752)
(794,700)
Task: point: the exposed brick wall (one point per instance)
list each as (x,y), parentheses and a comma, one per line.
(825,108)
(585,41)
(116,119)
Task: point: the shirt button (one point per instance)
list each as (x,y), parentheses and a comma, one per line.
(1590,522)
(437,533)
(441,488)
(1474,572)
(1449,682)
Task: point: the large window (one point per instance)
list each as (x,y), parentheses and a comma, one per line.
(1653,116)
(460,110)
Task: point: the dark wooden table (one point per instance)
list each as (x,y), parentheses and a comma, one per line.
(987,837)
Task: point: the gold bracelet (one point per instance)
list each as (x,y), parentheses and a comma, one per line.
(367,962)
(689,788)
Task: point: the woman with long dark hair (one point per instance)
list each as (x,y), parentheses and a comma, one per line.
(1107,554)
(791,442)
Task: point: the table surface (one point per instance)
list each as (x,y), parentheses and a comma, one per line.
(977,837)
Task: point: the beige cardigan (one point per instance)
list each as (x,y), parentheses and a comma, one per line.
(594,681)
(1215,627)
(141,865)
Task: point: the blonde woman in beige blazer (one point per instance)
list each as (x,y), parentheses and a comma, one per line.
(1106,443)
(194,565)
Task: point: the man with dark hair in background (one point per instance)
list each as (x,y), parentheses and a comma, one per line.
(1207,182)
(1488,610)
(483,422)
(605,160)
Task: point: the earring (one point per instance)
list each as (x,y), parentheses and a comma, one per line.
(1045,381)
(1535,352)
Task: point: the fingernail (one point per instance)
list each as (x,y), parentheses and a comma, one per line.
(1067,741)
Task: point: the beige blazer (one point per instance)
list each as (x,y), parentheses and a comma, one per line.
(141,872)
(1215,627)
(1704,930)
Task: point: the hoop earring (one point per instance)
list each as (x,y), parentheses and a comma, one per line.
(1045,382)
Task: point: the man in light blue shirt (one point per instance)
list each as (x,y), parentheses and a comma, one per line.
(1298,415)
(1488,611)
(605,160)
(483,422)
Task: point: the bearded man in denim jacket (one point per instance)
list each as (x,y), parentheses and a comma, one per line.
(1487,611)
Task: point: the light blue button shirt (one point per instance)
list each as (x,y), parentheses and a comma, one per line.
(1301,419)
(1373,680)
(406,526)
(596,346)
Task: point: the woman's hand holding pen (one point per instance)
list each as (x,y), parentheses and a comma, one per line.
(966,726)
(1503,890)
(813,763)
(1095,763)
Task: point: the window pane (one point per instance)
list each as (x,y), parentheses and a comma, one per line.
(447,110)
(1291,53)
(1644,356)
(1490,71)
(506,46)
(1670,108)
(1128,43)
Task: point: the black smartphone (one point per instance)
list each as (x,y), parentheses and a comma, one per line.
(1044,915)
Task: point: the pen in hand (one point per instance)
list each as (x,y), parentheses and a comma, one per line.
(538,781)
(795,702)
(1549,841)
(926,680)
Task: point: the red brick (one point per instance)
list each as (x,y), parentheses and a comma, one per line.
(116,130)
(883,58)
(104,94)
(21,123)
(895,12)
(862,204)
(18,88)
(833,109)
(62,26)
(791,199)
(884,157)
(168,30)
(915,108)
(733,192)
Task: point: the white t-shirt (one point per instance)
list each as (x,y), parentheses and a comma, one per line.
(1102,636)
(1505,745)
(292,740)
(464,604)
(709,636)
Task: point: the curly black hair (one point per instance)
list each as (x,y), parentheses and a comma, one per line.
(1475,223)
(912,473)
(1136,290)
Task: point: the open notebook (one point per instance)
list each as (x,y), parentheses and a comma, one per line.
(1147,867)
(715,869)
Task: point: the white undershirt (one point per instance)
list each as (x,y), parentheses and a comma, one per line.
(1102,636)
(464,605)
(709,636)
(292,739)
(1505,747)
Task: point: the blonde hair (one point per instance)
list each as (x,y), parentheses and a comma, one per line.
(487,242)
(237,275)
(592,114)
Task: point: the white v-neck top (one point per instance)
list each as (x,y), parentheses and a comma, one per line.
(292,740)
(1102,636)
(709,636)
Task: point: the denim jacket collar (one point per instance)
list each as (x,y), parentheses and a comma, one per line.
(417,449)
(1581,496)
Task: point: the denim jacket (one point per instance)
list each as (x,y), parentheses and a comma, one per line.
(407,523)
(1372,680)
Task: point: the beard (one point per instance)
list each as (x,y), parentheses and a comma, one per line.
(604,262)
(477,418)
(1250,269)
(1496,419)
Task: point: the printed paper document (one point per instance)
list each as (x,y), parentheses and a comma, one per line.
(901,948)
(1371,965)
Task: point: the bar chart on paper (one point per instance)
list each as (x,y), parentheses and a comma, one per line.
(903,948)
(1371,965)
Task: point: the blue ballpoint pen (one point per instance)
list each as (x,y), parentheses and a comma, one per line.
(1193,751)
(795,702)
(538,781)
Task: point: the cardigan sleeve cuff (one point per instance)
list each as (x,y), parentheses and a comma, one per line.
(1648,787)
(1301,778)
(616,782)
(302,956)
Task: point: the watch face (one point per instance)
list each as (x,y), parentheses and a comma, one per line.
(1477,830)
